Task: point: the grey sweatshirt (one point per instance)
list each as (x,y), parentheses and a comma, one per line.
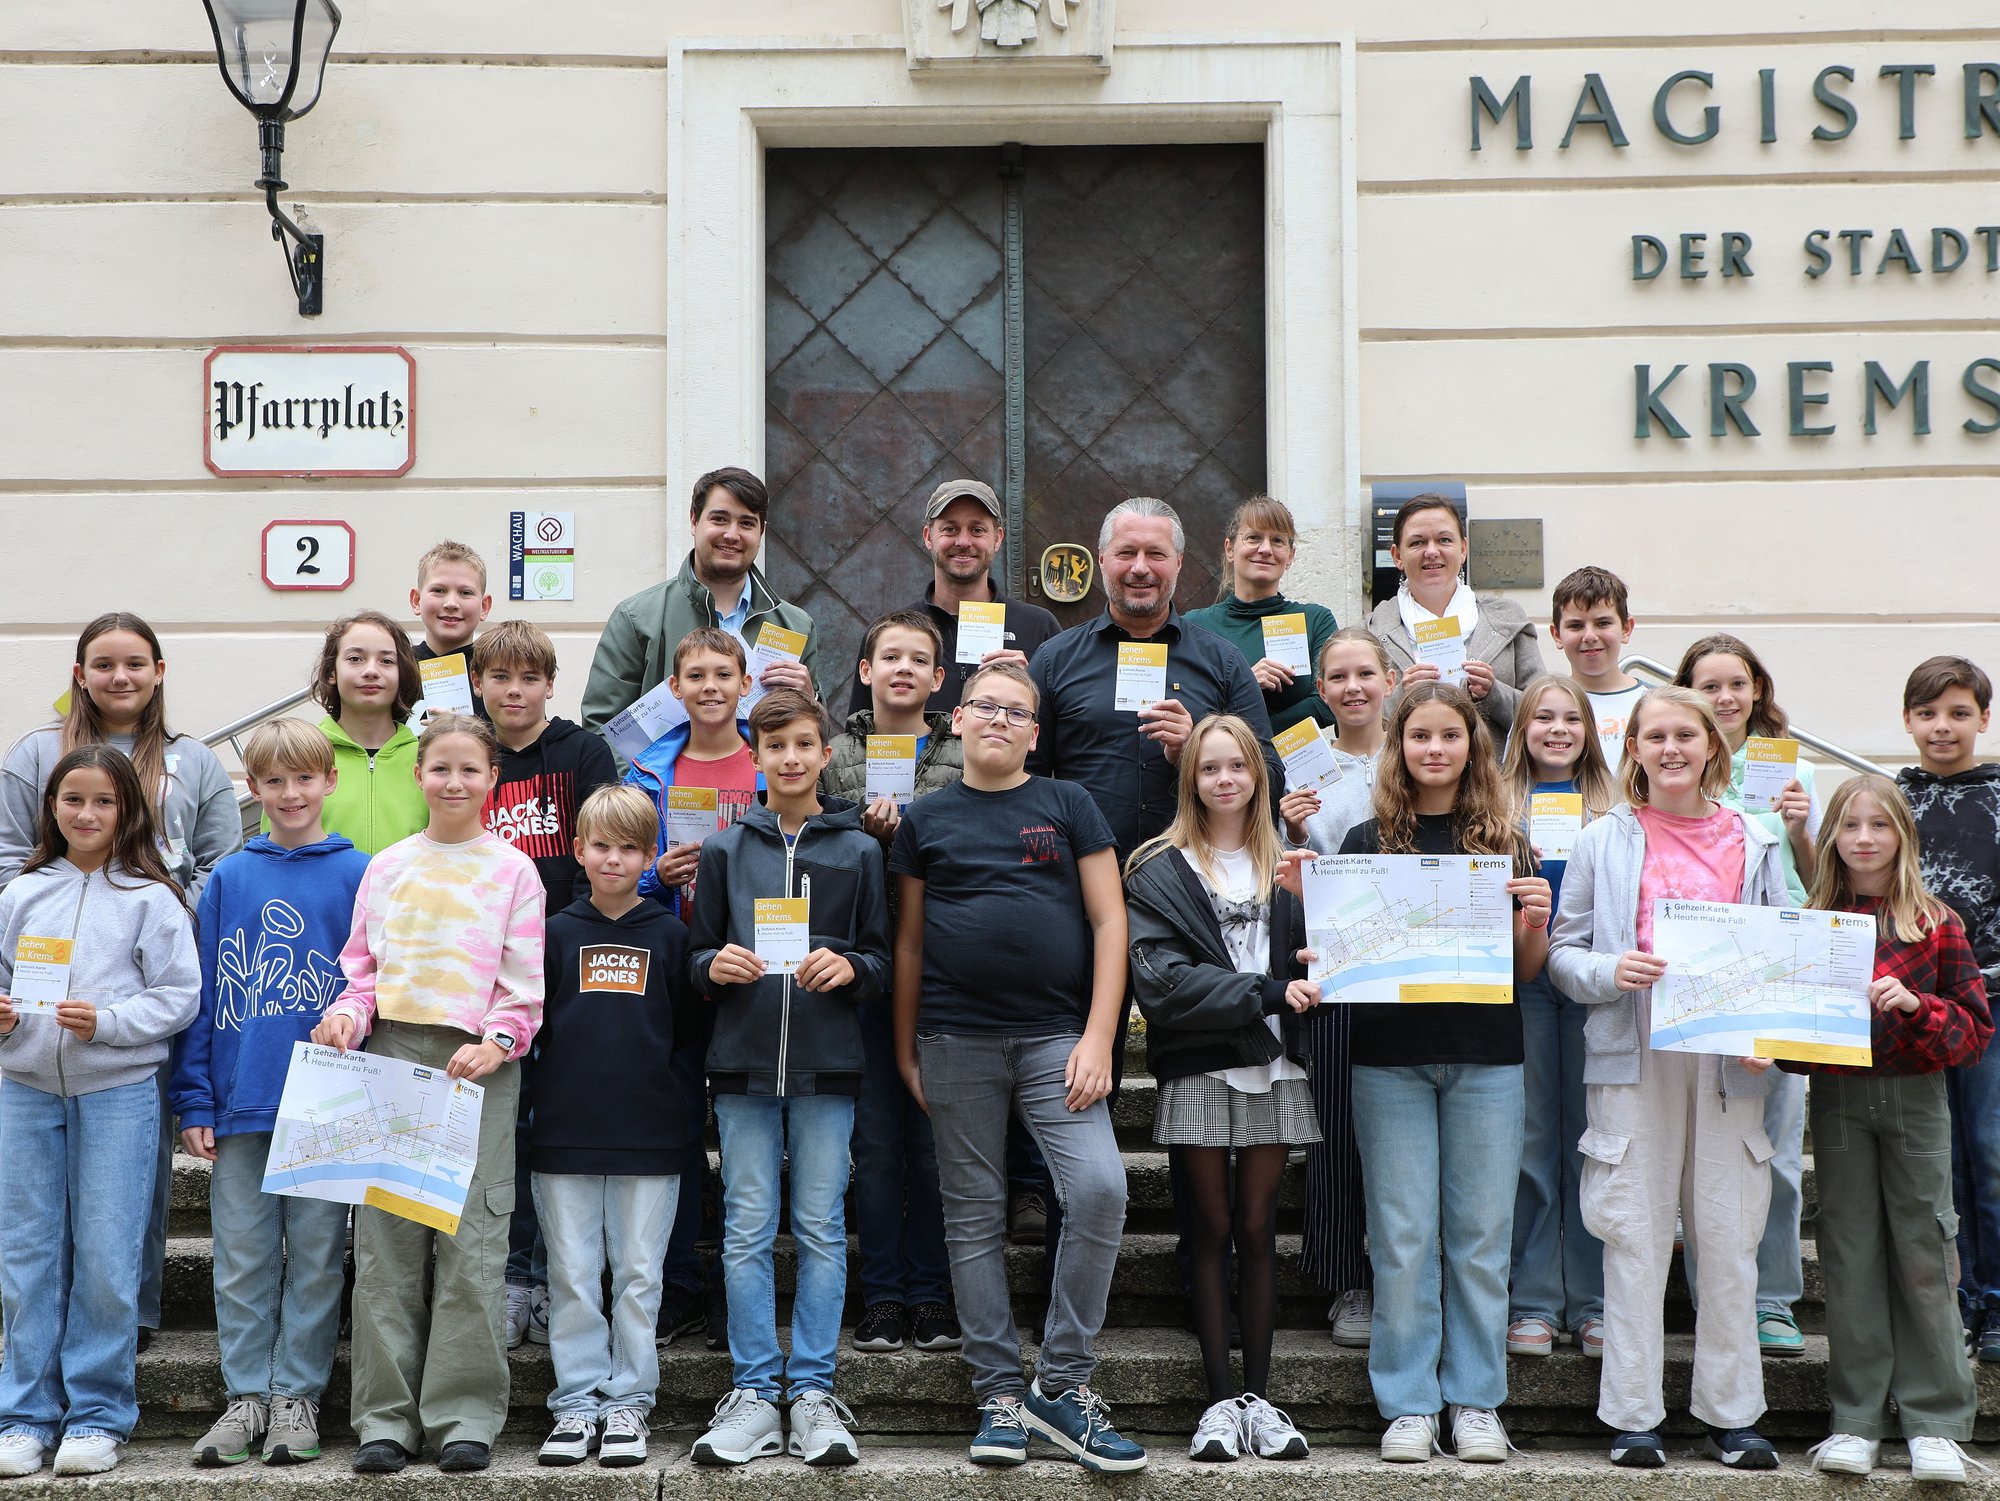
(135,960)
(1599,921)
(200,821)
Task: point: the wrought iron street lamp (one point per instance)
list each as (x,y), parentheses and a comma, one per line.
(273,57)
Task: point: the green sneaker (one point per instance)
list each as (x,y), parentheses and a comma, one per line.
(236,1434)
(1777,1334)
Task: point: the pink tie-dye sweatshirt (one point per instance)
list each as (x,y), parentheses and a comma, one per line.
(447,935)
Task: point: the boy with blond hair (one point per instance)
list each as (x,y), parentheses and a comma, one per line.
(609,1144)
(451,601)
(270,927)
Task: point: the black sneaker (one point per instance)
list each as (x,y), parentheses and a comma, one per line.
(464,1455)
(933,1326)
(145,1338)
(1986,1348)
(680,1313)
(715,1324)
(881,1329)
(1741,1449)
(381,1456)
(1639,1451)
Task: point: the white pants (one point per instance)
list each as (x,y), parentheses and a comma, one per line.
(1671,1141)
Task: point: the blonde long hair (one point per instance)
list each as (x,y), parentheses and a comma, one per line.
(1591,773)
(1715,772)
(1909,911)
(1482,813)
(1189,832)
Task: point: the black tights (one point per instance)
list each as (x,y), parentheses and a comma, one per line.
(1252,1221)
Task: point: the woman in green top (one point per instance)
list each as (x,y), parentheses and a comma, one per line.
(1259,545)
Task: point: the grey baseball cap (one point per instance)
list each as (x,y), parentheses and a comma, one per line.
(963,489)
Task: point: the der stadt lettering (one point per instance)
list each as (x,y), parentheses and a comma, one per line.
(1906,98)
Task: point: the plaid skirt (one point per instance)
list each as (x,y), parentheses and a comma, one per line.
(1198,1111)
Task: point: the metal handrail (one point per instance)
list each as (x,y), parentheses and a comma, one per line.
(1825,747)
(231,733)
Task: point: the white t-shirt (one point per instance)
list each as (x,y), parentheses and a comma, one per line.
(1614,713)
(1249,944)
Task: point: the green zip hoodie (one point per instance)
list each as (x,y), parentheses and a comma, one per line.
(377,800)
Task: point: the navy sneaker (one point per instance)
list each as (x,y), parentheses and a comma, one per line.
(1079,1423)
(1001,1439)
(1639,1451)
(1987,1346)
(1741,1449)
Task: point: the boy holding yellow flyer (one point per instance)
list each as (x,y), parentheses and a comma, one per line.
(790,936)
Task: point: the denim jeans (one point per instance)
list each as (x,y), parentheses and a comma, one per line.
(76,1185)
(1558,1263)
(527,1252)
(973,1083)
(1974,1092)
(600,1362)
(1781,1278)
(153,1261)
(1440,1164)
(277,1276)
(897,1213)
(758,1133)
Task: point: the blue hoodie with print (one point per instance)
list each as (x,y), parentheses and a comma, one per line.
(271,925)
(653,774)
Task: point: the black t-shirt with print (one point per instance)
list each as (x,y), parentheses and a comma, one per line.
(1007,947)
(1416,1036)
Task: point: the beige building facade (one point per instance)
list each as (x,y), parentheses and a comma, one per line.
(1709,292)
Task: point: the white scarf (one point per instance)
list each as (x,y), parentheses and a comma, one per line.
(1463,605)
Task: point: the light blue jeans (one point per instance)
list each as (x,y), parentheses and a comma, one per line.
(602,1363)
(1781,1280)
(277,1276)
(758,1133)
(1558,1264)
(76,1186)
(1440,1162)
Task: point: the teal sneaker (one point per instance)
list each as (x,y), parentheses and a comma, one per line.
(1777,1334)
(1079,1423)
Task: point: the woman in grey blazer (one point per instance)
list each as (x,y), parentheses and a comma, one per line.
(1501,656)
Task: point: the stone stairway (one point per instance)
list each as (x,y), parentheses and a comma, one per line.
(913,1411)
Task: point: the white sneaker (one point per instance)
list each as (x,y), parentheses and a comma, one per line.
(1268,1433)
(1477,1437)
(20,1454)
(624,1442)
(1218,1435)
(1411,1439)
(745,1427)
(87,1453)
(1941,1460)
(1353,1318)
(517,1316)
(1849,1454)
(538,1315)
(819,1433)
(570,1441)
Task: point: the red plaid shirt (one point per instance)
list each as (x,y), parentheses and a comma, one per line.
(1952,1023)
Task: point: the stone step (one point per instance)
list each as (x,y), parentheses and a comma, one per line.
(936,1470)
(939,1471)
(1152,1377)
(1148,1188)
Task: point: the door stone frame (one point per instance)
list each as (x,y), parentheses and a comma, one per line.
(729,100)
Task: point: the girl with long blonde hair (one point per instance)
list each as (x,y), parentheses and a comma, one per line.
(1668,1131)
(1895,1344)
(1214,946)
(1558,1279)
(1438,1103)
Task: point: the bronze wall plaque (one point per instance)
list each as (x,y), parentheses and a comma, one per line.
(1506,554)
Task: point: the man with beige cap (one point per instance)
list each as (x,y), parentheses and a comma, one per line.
(964,530)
